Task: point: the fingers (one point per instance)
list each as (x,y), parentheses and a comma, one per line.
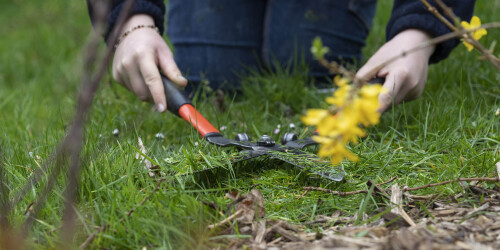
(128,74)
(170,69)
(371,68)
(393,87)
(152,80)
(366,72)
(137,63)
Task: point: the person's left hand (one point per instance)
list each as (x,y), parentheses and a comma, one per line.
(405,77)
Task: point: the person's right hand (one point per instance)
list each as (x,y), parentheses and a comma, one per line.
(405,77)
(137,61)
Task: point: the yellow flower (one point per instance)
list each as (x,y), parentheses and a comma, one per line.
(314,116)
(475,22)
(335,149)
(328,126)
(368,104)
(352,108)
(339,96)
(372,90)
(348,125)
(341,81)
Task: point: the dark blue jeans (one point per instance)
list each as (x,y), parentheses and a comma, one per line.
(221,39)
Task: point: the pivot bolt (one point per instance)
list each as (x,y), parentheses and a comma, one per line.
(288,137)
(242,137)
(265,141)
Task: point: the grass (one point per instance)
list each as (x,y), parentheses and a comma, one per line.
(450,132)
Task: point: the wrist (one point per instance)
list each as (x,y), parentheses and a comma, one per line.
(138,19)
(414,37)
(134,23)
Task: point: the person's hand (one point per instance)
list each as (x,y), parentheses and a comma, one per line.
(138,59)
(405,77)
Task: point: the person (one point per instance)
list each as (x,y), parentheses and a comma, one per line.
(219,39)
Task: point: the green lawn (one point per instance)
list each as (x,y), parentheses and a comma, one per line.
(451,131)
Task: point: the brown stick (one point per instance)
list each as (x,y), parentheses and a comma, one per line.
(397,199)
(436,13)
(426,44)
(71,144)
(420,197)
(450,181)
(335,192)
(447,10)
(226,220)
(497,179)
(467,36)
(74,139)
(377,188)
(497,165)
(389,181)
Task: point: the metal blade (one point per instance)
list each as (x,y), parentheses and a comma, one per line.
(243,156)
(298,144)
(310,163)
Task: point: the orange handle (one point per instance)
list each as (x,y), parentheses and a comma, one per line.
(189,114)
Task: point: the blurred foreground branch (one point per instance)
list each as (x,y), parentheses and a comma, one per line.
(95,67)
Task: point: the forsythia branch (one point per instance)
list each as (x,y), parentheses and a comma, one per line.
(355,102)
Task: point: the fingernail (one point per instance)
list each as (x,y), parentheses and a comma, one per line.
(180,77)
(161,108)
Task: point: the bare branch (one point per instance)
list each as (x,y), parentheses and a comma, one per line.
(428,43)
(436,13)
(467,36)
(335,192)
(74,140)
(364,191)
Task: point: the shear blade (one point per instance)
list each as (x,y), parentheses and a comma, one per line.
(242,156)
(310,163)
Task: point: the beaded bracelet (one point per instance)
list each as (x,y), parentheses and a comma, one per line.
(131,30)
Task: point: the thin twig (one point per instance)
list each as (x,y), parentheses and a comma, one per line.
(377,188)
(363,191)
(447,10)
(497,165)
(4,196)
(335,68)
(450,181)
(436,13)
(467,36)
(226,220)
(420,197)
(335,192)
(74,139)
(71,145)
(424,45)
(389,181)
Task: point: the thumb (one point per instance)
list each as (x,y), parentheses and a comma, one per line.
(392,87)
(367,72)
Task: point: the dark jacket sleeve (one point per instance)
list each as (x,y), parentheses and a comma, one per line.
(412,14)
(154,8)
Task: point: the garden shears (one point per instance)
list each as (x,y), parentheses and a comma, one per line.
(288,151)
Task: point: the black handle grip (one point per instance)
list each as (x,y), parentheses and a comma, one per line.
(380,80)
(175,97)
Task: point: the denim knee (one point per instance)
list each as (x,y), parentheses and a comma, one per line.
(216,40)
(219,40)
(292,25)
